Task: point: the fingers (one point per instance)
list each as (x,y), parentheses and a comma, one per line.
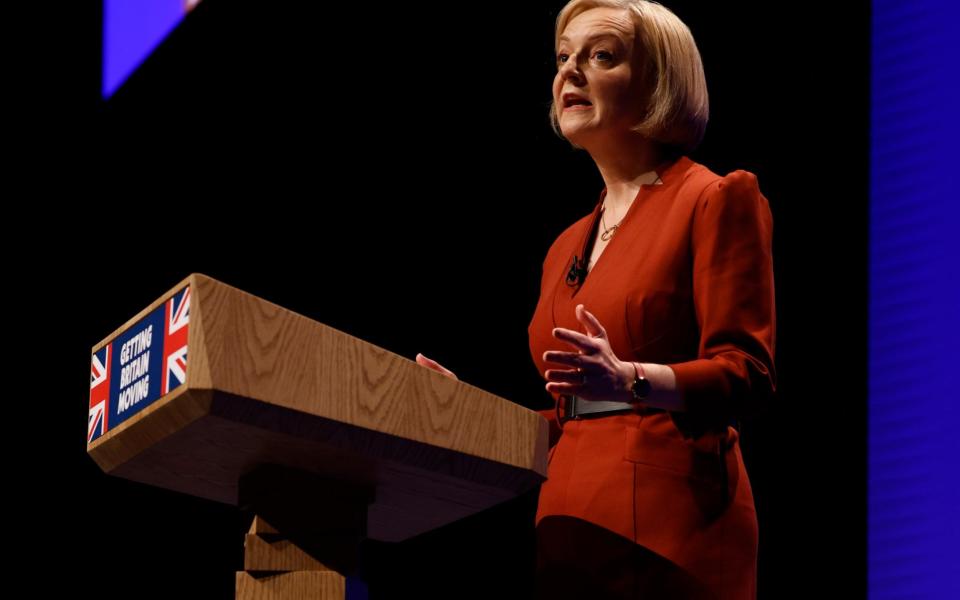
(429,362)
(432,364)
(590,322)
(563,376)
(593,355)
(593,342)
(564,388)
(563,358)
(576,339)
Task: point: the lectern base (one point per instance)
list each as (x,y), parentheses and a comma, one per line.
(324,585)
(277,569)
(311,543)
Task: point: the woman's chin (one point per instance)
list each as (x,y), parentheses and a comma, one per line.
(577,135)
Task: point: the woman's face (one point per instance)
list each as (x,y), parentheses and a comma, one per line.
(596,61)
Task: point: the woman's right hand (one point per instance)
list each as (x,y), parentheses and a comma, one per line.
(432,364)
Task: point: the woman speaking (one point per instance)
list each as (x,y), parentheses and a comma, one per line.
(655,326)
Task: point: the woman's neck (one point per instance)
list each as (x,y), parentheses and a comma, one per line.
(624,167)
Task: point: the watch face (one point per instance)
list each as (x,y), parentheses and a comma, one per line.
(641,388)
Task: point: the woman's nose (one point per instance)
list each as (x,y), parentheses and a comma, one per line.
(569,69)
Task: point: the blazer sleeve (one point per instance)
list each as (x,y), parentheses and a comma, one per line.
(733,296)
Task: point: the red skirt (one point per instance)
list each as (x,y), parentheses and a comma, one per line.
(633,509)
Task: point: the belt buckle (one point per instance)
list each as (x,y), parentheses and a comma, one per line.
(569,409)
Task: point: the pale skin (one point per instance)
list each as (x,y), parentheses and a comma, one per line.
(605,71)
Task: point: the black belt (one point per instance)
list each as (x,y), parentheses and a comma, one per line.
(578,408)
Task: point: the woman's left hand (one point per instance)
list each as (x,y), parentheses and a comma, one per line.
(596,373)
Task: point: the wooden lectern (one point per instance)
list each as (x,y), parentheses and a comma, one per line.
(327,439)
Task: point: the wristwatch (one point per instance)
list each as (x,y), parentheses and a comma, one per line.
(641,385)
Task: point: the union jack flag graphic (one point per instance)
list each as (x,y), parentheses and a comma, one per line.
(179,314)
(175,341)
(176,369)
(99,393)
(142,363)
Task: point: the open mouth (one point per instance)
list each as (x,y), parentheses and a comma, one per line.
(574,102)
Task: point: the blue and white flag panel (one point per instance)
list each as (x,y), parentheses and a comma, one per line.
(143,363)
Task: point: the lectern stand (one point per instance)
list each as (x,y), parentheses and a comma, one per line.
(326,438)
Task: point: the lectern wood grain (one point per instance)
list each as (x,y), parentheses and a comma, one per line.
(281,555)
(296,585)
(265,385)
(260,527)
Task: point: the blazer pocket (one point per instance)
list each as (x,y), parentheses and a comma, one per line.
(642,446)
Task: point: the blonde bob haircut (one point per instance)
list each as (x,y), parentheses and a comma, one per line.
(676,105)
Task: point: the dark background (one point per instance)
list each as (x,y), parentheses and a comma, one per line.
(390,171)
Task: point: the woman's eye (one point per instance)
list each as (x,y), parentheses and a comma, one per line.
(601,55)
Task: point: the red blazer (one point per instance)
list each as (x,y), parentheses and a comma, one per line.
(687,281)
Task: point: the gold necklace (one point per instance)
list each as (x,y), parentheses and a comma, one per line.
(609,231)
